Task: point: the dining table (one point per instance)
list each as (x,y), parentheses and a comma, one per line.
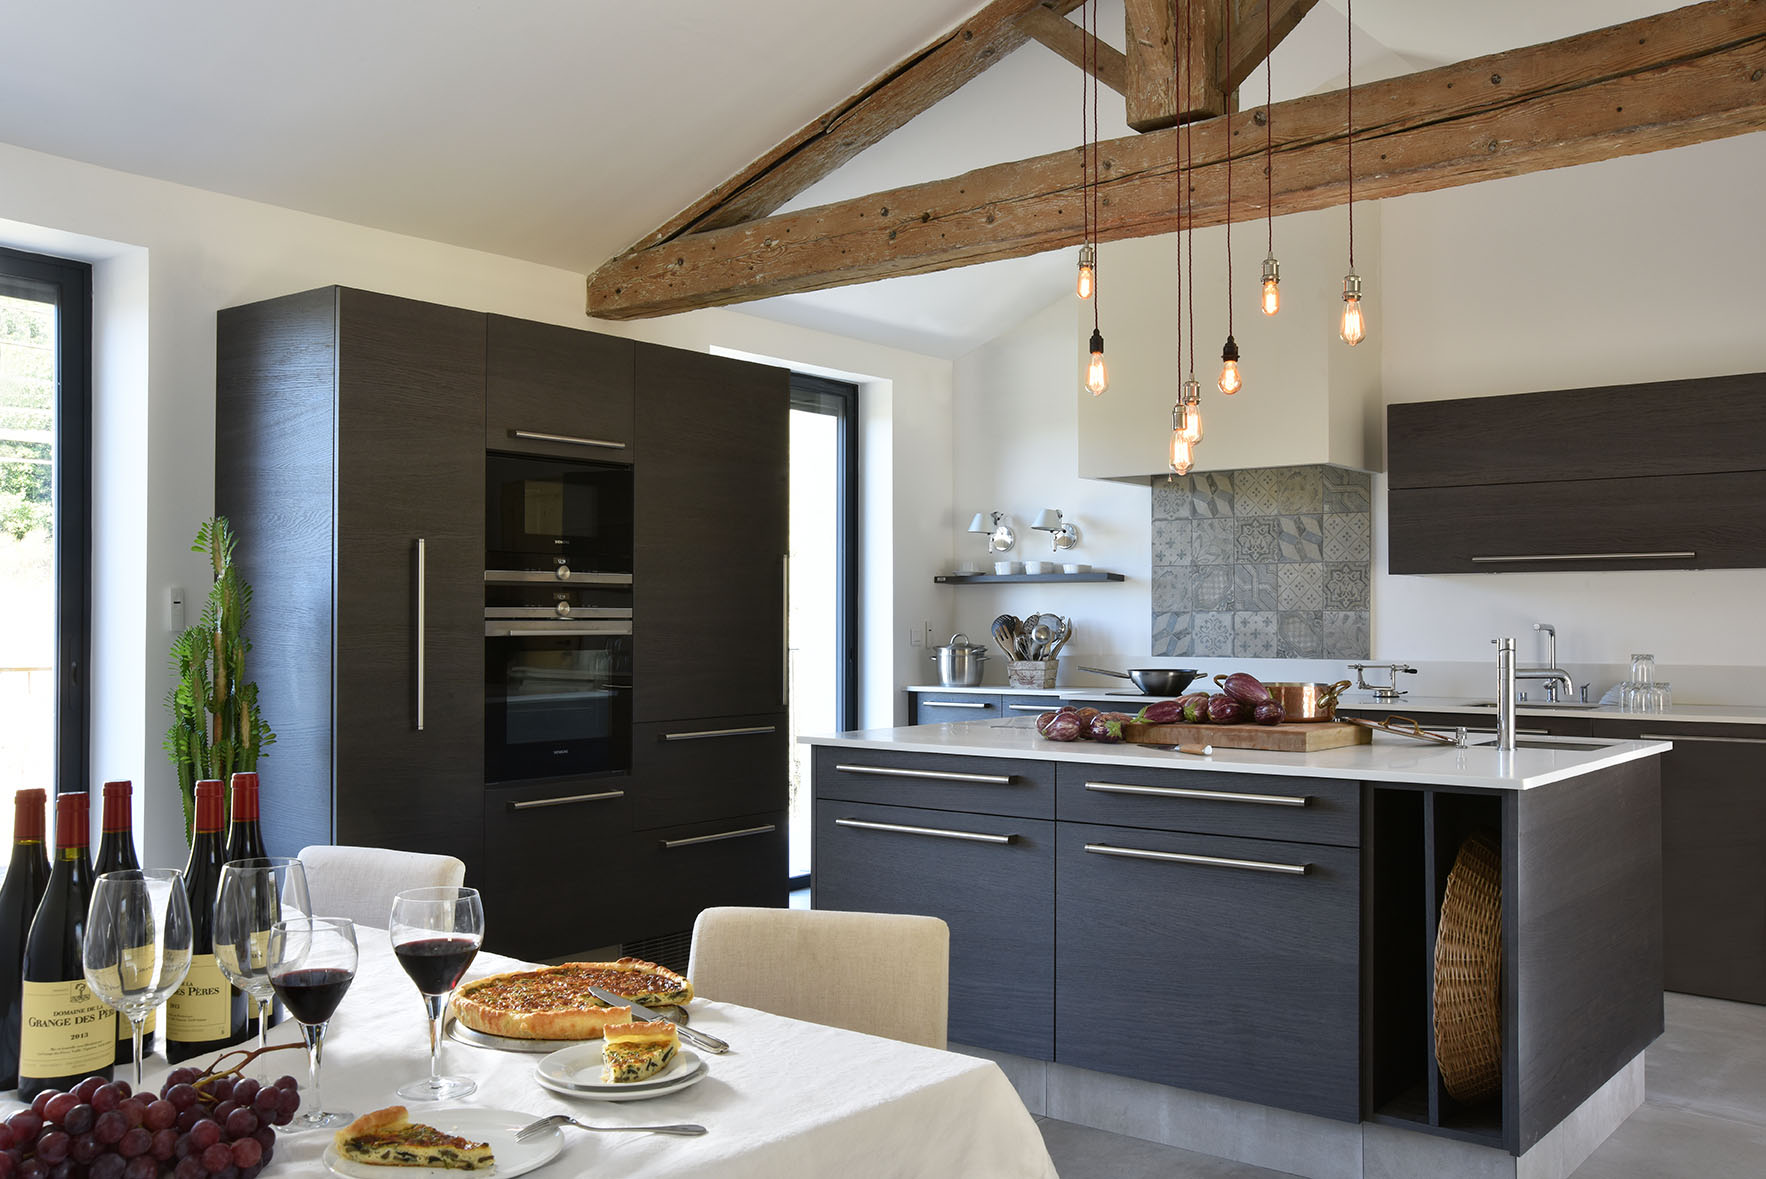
(790,1098)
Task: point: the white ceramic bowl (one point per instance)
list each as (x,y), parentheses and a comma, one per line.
(1005,567)
(1076,569)
(1039,566)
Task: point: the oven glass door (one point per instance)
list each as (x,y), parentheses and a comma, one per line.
(558,700)
(544,512)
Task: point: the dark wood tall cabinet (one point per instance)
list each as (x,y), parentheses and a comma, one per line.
(350,459)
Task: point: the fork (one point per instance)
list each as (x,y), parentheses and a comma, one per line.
(544,1124)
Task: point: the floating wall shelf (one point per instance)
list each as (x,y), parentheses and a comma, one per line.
(987,578)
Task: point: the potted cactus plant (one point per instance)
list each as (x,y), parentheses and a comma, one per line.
(216,729)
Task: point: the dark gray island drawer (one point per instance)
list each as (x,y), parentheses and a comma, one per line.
(951,782)
(1261,806)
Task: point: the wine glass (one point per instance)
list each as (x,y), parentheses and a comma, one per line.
(312,963)
(436,933)
(137,946)
(253,895)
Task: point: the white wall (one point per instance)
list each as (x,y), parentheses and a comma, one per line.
(173,256)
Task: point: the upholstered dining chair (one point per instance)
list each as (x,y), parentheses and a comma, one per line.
(883,973)
(360,882)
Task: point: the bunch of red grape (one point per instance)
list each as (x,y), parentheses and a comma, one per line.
(199,1126)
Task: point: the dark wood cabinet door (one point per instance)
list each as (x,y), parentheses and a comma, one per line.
(709,566)
(410,478)
(997,898)
(538,843)
(558,391)
(685,869)
(1251,977)
(946,782)
(691,771)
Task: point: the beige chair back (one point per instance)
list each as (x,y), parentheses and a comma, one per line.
(883,973)
(360,882)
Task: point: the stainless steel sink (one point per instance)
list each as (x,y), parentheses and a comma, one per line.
(1548,743)
(1558,705)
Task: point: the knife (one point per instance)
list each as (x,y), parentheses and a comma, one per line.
(640,1012)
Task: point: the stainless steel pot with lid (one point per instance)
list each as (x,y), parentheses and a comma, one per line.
(959,662)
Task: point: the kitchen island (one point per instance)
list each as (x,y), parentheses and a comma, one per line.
(1169,945)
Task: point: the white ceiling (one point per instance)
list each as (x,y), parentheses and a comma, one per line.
(560,131)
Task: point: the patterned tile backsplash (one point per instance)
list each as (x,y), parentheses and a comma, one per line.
(1270,563)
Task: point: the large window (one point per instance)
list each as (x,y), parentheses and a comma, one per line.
(822,634)
(45,522)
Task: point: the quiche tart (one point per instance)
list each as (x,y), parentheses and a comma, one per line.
(389,1138)
(553,1002)
(637,1051)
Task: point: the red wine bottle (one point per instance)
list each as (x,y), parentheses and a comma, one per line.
(206,1013)
(116,852)
(26,878)
(245,841)
(66,1033)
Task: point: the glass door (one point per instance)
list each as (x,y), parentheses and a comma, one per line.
(821,636)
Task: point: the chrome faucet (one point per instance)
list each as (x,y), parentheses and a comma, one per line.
(1551,674)
(1505,694)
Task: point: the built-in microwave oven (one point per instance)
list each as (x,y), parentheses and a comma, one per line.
(546,513)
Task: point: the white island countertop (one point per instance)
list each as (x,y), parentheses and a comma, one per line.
(1539,761)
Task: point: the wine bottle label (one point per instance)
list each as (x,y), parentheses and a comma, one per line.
(66,1030)
(201,1009)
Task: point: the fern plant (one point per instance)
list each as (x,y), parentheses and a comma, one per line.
(216,728)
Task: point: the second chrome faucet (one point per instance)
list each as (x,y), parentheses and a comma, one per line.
(1551,674)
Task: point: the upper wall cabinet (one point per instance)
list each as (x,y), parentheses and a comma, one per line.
(1307,398)
(1670,475)
(558,391)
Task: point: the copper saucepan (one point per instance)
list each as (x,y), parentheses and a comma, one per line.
(1305,702)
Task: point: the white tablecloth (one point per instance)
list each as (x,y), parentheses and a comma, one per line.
(790,1099)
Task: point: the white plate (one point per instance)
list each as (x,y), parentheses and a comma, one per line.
(495,1126)
(455,1030)
(578,1069)
(627,1092)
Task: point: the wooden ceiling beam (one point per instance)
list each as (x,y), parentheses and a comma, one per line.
(1678,78)
(1071,42)
(1154,29)
(1248,37)
(913,85)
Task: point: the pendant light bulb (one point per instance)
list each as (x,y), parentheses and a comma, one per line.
(1229,368)
(1097,377)
(1181,457)
(1272,280)
(1192,412)
(1088,271)
(1354,328)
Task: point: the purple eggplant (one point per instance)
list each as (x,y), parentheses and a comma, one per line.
(1246,689)
(1224,710)
(1042,721)
(1105,729)
(1162,712)
(1065,727)
(1268,713)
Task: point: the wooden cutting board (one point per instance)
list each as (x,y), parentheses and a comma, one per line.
(1283,738)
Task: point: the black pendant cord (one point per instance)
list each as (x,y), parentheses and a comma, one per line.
(1093,207)
(1189,195)
(1349,96)
(1183,180)
(1268,133)
(1227,124)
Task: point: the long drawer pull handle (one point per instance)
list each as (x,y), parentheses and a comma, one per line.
(1694,737)
(1136,853)
(929,775)
(937,832)
(1686,556)
(1032,707)
(670,843)
(1210,795)
(954,704)
(422,624)
(565,801)
(567,439)
(707,734)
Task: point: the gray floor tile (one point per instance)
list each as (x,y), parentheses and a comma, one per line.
(1658,1141)
(1080,1152)
(1712,1059)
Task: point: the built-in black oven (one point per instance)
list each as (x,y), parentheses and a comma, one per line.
(545,513)
(557,695)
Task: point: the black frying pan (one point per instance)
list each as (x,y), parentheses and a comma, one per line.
(1154,681)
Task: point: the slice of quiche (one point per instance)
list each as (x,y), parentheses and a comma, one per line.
(389,1138)
(638,1050)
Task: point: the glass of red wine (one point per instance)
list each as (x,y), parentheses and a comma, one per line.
(436,933)
(312,963)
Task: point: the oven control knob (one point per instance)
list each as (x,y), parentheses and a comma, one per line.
(563,609)
(563,572)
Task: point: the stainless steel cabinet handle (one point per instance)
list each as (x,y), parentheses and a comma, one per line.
(422,622)
(1209,795)
(706,734)
(567,439)
(1137,853)
(1691,737)
(1049,707)
(671,843)
(536,803)
(954,704)
(1589,557)
(938,832)
(931,775)
(785,631)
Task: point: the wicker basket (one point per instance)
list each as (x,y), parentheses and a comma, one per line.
(1468,974)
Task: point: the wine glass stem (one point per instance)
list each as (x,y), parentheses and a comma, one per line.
(314,1033)
(263,1020)
(437,1006)
(135,1025)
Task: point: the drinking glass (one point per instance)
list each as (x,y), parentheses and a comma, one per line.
(137,946)
(312,963)
(254,895)
(436,933)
